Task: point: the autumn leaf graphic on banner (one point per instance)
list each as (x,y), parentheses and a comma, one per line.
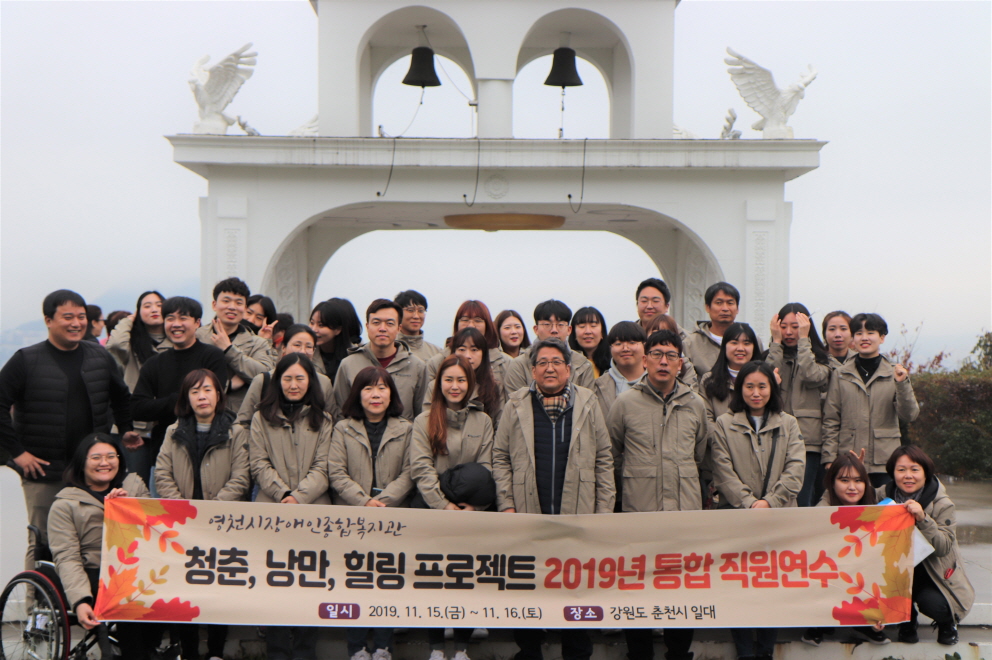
(892,526)
(128,522)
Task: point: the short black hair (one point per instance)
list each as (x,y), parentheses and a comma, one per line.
(870,322)
(726,287)
(295,329)
(663,337)
(56,299)
(410,297)
(370,376)
(626,331)
(737,403)
(657,284)
(194,379)
(233,285)
(551,342)
(556,308)
(93,313)
(915,454)
(380,304)
(182,305)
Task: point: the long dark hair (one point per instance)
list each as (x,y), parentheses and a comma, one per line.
(601,356)
(737,403)
(840,464)
(819,350)
(273,399)
(339,314)
(489,392)
(717,385)
(437,418)
(141,342)
(501,318)
(370,376)
(75,471)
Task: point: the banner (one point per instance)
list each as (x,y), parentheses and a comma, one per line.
(277,564)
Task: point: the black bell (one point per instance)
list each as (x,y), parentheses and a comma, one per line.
(421,73)
(563,71)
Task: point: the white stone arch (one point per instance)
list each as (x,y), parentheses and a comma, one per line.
(599,41)
(392,37)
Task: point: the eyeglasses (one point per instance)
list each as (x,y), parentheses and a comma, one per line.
(543,364)
(668,355)
(98,458)
(621,344)
(544,325)
(414,309)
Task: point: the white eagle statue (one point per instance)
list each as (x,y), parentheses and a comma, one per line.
(215,88)
(757,87)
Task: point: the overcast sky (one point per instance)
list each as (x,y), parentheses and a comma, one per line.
(896,219)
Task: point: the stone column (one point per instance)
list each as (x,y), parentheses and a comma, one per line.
(495,108)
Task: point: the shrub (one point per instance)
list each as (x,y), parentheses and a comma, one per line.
(955,422)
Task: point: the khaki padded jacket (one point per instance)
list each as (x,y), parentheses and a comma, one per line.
(408,372)
(419,346)
(858,415)
(605,389)
(701,349)
(740,459)
(659,446)
(350,463)
(290,458)
(519,372)
(470,440)
(75,536)
(223,470)
(246,357)
(253,397)
(804,382)
(589,486)
(119,346)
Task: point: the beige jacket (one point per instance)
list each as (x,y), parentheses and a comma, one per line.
(350,463)
(223,470)
(419,346)
(247,356)
(714,407)
(519,372)
(835,363)
(119,346)
(858,415)
(940,530)
(740,459)
(290,458)
(661,445)
(408,372)
(253,398)
(470,440)
(589,486)
(605,389)
(75,535)
(701,349)
(804,381)
(498,361)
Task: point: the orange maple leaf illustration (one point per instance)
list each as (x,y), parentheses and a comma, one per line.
(174,610)
(174,512)
(111,595)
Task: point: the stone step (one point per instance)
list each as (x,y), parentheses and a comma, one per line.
(244,643)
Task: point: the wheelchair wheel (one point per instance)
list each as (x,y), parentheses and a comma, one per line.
(33,621)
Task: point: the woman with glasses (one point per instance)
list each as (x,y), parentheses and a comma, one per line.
(75,533)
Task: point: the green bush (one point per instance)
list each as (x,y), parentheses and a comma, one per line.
(955,422)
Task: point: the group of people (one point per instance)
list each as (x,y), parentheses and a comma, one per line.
(586,419)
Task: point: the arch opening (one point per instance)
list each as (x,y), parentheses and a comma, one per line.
(444,111)
(537,107)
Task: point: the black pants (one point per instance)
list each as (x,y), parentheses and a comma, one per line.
(929,598)
(189,638)
(291,643)
(137,640)
(640,643)
(575,644)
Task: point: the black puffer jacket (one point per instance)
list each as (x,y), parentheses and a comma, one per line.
(40,396)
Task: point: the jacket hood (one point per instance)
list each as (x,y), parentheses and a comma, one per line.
(741,420)
(681,390)
(456,418)
(185,433)
(931,490)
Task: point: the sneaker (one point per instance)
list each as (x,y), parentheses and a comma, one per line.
(813,637)
(437,655)
(873,636)
(362,655)
(947,634)
(907,633)
(461,655)
(382,654)
(479,634)
(449,634)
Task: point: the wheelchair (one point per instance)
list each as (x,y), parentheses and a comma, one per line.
(35,622)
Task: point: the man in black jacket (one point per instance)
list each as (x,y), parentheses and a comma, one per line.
(157,389)
(61,389)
